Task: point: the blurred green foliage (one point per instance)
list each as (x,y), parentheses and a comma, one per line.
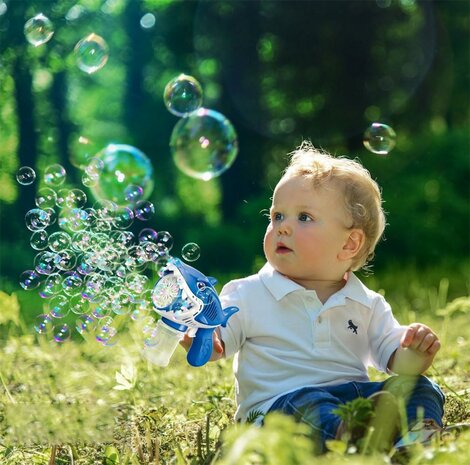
(281,72)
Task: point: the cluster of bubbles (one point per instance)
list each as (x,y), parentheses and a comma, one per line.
(91,52)
(89,265)
(203,142)
(379,138)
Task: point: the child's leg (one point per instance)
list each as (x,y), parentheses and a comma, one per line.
(314,406)
(423,398)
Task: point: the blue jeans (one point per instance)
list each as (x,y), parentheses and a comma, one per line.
(314,406)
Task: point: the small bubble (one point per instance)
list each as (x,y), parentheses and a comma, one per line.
(191,252)
(133,194)
(164,242)
(75,198)
(54,175)
(58,307)
(148,235)
(25,175)
(29,280)
(59,241)
(38,30)
(379,138)
(183,95)
(85,324)
(61,333)
(44,262)
(37,219)
(39,240)
(147,21)
(144,210)
(43,324)
(91,53)
(45,198)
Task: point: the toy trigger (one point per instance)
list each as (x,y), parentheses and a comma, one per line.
(201,348)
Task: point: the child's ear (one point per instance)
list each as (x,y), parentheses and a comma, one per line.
(353,244)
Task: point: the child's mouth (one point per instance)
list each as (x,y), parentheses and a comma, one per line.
(282,249)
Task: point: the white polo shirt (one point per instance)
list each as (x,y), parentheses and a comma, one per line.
(284,338)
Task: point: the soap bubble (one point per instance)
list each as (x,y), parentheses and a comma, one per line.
(148,235)
(75,198)
(82,150)
(29,280)
(183,95)
(191,252)
(133,194)
(147,21)
(85,324)
(37,219)
(379,138)
(61,333)
(144,210)
(54,175)
(52,286)
(164,242)
(44,262)
(123,218)
(123,166)
(79,305)
(91,53)
(45,198)
(58,306)
(38,30)
(25,175)
(204,144)
(39,240)
(59,241)
(43,324)
(72,283)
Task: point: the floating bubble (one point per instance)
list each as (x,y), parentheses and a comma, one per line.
(25,175)
(60,197)
(43,324)
(379,138)
(144,210)
(148,235)
(59,241)
(204,144)
(37,219)
(75,198)
(91,53)
(45,198)
(65,260)
(39,240)
(124,166)
(105,332)
(29,280)
(72,283)
(58,306)
(79,305)
(54,175)
(123,218)
(183,95)
(85,324)
(191,252)
(52,286)
(61,333)
(150,332)
(44,262)
(164,242)
(136,283)
(147,21)
(38,30)
(133,194)
(88,181)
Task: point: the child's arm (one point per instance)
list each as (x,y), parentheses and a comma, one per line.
(218,350)
(418,346)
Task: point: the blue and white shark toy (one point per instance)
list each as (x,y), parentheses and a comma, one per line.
(188,303)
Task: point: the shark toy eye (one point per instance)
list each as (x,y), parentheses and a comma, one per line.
(201,286)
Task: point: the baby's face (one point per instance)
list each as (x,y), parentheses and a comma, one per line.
(308,229)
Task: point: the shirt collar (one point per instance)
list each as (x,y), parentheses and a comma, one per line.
(279,286)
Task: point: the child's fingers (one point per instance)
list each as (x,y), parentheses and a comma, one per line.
(408,336)
(186,342)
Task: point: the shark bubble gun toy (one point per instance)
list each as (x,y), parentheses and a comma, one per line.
(188,303)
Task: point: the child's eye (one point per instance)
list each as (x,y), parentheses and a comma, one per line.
(276,216)
(305,217)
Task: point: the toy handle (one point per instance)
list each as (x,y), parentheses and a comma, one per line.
(168,339)
(201,348)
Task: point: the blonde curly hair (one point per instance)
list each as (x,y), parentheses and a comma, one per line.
(362,197)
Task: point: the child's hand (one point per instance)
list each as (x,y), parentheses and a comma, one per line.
(420,338)
(218,346)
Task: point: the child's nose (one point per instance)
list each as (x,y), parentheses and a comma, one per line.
(284,228)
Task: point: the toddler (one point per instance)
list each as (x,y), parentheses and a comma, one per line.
(308,328)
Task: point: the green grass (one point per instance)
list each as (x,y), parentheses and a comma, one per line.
(65,404)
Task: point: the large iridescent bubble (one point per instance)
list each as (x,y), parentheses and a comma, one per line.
(123,166)
(204,144)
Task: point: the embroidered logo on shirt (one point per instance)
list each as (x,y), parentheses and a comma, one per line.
(352,326)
